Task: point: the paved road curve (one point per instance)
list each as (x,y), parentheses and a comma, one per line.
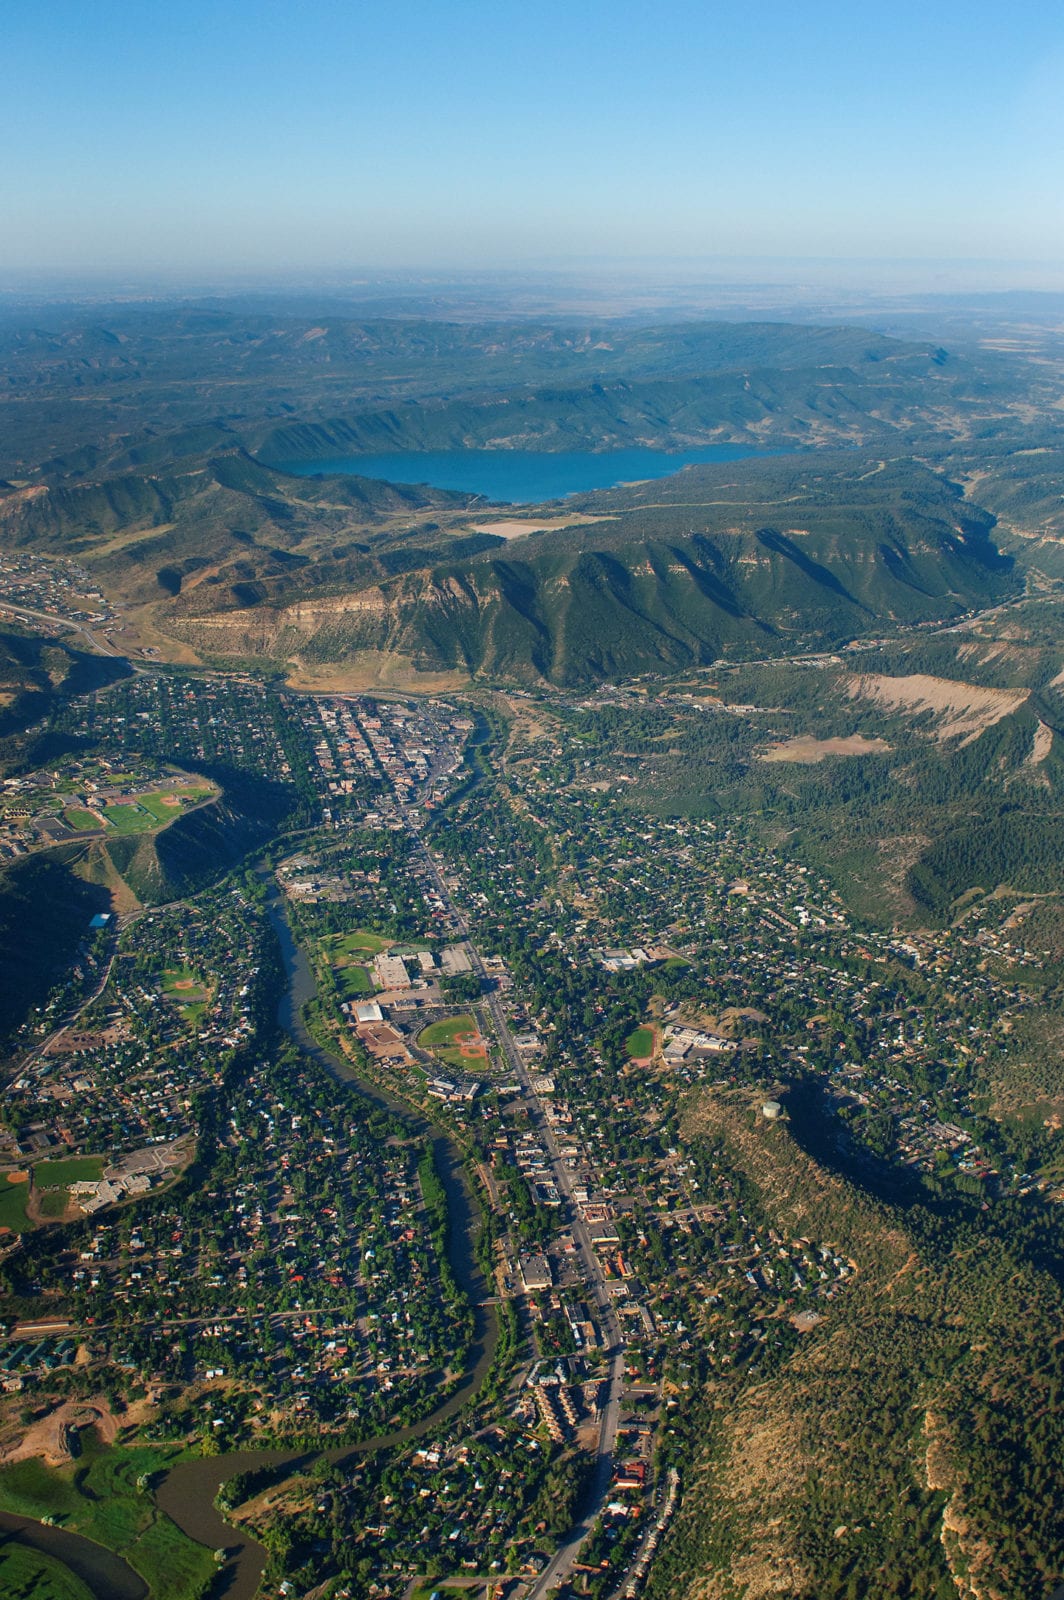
(103,648)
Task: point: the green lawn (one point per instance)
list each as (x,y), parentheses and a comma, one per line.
(54,1203)
(186,991)
(185,976)
(444,1033)
(27,1575)
(98,1496)
(129,819)
(33,1490)
(58,1174)
(352,982)
(640,1043)
(363,943)
(13,1197)
(455,1588)
(156,806)
(76,818)
(359,943)
(676,964)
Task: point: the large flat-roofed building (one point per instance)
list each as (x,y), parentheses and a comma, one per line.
(536,1272)
(390,972)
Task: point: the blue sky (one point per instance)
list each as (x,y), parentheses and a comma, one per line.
(285,135)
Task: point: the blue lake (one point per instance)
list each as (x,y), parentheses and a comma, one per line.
(519,477)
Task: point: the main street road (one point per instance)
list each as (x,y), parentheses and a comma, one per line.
(565,1556)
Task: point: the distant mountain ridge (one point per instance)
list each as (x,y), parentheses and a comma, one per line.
(669,413)
(75,396)
(667,584)
(156,436)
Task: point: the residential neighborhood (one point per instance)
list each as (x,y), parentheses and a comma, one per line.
(542,980)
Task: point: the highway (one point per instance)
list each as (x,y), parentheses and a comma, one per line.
(56,621)
(560,1567)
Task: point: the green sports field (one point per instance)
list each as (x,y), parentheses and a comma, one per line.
(75,1169)
(155,808)
(456,1041)
(80,820)
(640,1044)
(13,1197)
(353,982)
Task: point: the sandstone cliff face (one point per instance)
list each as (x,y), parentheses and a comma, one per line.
(277,630)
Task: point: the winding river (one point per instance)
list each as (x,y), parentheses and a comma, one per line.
(188,1491)
(100,1570)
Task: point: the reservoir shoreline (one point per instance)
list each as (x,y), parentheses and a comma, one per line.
(520,477)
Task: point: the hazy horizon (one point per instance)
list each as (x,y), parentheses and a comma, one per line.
(200,144)
(881,293)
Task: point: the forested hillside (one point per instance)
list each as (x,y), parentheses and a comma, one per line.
(753,557)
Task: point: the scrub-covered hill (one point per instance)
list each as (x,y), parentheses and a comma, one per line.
(223,521)
(906,1444)
(745,557)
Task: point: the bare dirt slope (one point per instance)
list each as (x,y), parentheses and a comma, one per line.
(959,710)
(807,751)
